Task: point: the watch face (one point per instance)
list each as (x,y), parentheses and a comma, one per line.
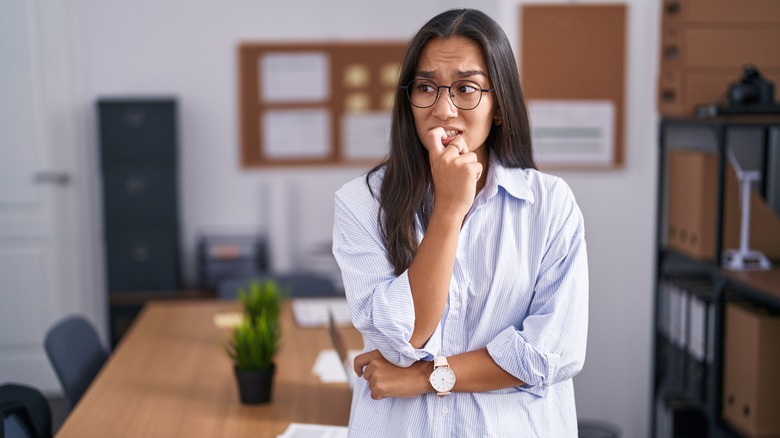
(442,379)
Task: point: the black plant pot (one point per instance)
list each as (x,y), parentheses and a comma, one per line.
(255,387)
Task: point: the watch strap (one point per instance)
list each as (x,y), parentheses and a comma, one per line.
(440,361)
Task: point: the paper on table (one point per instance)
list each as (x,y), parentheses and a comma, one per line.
(329,369)
(228,320)
(299,430)
(313,312)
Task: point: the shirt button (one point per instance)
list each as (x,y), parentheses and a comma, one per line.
(444,410)
(456,304)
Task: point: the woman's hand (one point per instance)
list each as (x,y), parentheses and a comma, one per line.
(387,380)
(455,172)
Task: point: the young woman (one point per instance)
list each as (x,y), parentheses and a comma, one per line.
(464,267)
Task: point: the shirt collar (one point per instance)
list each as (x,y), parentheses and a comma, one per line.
(515,183)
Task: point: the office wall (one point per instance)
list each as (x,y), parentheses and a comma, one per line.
(188,49)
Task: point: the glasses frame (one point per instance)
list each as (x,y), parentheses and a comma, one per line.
(482,91)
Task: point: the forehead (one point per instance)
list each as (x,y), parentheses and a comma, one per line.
(446,56)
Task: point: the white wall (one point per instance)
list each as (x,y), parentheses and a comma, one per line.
(188,49)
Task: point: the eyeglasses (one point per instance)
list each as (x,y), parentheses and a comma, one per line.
(465,95)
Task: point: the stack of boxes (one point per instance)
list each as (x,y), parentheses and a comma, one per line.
(706,43)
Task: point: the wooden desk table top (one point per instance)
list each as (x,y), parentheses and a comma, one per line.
(170,376)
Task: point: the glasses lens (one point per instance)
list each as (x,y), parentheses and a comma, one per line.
(422,93)
(466,94)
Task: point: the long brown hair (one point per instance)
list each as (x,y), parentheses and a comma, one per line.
(407,187)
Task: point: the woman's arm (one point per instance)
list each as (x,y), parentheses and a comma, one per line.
(475,371)
(547,347)
(456,173)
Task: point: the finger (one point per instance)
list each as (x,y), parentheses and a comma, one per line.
(434,139)
(361,360)
(461,148)
(476,169)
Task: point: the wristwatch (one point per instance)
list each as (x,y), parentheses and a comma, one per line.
(443,377)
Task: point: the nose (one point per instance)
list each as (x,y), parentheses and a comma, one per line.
(444,108)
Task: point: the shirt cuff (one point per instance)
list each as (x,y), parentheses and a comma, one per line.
(519,358)
(401,353)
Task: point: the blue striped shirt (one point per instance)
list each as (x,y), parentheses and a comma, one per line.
(519,287)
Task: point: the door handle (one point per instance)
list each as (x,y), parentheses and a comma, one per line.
(52,177)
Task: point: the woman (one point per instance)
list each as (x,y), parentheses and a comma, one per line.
(464,267)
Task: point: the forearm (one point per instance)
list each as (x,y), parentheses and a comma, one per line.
(477,372)
(431,272)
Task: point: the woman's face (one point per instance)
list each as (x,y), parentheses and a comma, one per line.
(445,61)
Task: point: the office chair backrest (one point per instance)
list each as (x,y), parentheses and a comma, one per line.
(298,284)
(25,412)
(75,352)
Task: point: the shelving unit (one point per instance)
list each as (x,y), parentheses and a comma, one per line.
(692,291)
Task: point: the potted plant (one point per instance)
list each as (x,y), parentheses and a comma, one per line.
(255,340)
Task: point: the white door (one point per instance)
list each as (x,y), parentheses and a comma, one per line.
(43,246)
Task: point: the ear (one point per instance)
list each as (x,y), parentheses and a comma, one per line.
(497,119)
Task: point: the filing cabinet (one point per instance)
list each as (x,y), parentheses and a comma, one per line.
(138,159)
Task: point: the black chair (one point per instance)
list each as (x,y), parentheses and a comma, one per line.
(597,429)
(297,284)
(25,412)
(76,354)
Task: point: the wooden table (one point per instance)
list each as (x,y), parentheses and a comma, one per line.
(170,376)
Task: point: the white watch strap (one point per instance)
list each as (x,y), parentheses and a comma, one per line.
(440,361)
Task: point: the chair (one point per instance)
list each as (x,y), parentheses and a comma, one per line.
(25,412)
(298,284)
(76,354)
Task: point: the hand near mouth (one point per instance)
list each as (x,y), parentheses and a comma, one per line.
(455,171)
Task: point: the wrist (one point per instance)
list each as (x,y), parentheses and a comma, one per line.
(425,369)
(447,215)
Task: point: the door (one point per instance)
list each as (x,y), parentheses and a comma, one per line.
(42,242)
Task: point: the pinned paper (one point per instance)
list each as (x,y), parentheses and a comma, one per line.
(356,102)
(390,74)
(356,76)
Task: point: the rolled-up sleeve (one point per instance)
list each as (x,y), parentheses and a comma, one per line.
(380,302)
(550,344)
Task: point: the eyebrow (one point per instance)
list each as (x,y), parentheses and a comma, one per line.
(460,74)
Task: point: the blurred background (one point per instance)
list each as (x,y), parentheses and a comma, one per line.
(68,55)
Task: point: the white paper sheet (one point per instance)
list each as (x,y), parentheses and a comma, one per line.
(300,430)
(572,132)
(329,369)
(296,133)
(366,135)
(294,77)
(313,312)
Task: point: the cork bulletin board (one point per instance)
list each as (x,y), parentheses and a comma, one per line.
(573,74)
(318,103)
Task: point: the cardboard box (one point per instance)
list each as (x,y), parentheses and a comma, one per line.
(692,209)
(691,202)
(705,45)
(751,381)
(720,47)
(681,91)
(720,11)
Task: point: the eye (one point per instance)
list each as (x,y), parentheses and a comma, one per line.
(467,87)
(425,87)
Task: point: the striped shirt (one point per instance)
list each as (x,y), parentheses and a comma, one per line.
(519,287)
